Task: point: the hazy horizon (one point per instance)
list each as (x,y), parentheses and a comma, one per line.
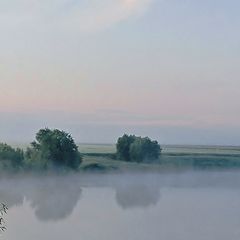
(21,128)
(167,69)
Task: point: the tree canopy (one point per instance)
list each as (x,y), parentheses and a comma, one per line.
(123,146)
(137,149)
(11,156)
(54,147)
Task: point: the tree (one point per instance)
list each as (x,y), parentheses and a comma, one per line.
(143,149)
(54,147)
(137,149)
(13,156)
(123,146)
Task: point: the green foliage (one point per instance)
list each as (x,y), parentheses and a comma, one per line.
(144,149)
(123,146)
(53,148)
(34,160)
(137,149)
(11,157)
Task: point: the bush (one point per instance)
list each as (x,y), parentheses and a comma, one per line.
(11,156)
(137,149)
(94,167)
(53,148)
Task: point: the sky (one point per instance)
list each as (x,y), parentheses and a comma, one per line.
(168,69)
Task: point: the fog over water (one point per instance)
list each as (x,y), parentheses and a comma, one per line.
(189,205)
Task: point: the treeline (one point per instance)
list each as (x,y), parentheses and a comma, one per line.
(51,149)
(55,149)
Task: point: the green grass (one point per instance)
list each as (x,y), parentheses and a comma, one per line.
(116,165)
(97,148)
(172,157)
(100,157)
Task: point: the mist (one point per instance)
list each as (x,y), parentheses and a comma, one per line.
(102,205)
(131,190)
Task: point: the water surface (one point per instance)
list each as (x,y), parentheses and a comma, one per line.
(174,206)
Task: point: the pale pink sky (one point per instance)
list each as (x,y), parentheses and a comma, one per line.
(148,63)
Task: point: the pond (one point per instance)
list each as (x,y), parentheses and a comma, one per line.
(170,206)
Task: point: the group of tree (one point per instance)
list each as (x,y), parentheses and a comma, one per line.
(137,149)
(51,149)
(55,149)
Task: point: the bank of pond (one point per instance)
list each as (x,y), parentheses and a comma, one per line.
(55,150)
(109,162)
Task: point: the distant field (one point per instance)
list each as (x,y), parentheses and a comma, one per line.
(102,156)
(172,157)
(201,149)
(97,148)
(111,148)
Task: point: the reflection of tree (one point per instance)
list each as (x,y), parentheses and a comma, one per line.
(11,196)
(52,198)
(134,195)
(55,199)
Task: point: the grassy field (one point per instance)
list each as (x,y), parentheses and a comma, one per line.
(97,148)
(198,149)
(101,157)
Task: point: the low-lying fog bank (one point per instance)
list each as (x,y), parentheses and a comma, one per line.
(97,206)
(143,189)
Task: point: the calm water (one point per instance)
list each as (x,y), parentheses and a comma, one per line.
(192,205)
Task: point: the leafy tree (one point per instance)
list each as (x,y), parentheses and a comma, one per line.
(137,149)
(13,156)
(123,146)
(144,149)
(53,147)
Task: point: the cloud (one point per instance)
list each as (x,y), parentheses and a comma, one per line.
(84,16)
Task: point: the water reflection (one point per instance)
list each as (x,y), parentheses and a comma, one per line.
(137,196)
(55,199)
(52,198)
(123,206)
(11,197)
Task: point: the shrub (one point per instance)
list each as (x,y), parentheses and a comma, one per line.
(137,149)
